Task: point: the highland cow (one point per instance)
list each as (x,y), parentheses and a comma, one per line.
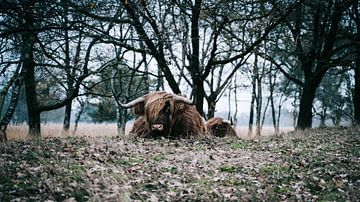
(219,127)
(166,114)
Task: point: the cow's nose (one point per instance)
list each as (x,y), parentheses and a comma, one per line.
(157,127)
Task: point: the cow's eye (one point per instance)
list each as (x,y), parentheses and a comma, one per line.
(167,110)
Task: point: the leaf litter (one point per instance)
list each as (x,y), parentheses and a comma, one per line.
(309,165)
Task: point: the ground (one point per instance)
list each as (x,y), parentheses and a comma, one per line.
(310,165)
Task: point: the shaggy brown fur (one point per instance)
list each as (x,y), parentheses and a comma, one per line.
(181,119)
(220,128)
(140,128)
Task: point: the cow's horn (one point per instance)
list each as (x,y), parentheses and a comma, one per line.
(133,103)
(183,99)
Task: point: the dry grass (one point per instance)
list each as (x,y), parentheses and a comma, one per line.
(323,165)
(20,132)
(242,131)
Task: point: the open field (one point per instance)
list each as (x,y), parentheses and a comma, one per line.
(310,165)
(19,132)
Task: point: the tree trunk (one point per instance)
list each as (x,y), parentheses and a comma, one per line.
(146,67)
(323,116)
(306,103)
(272,105)
(30,85)
(258,95)
(277,127)
(337,117)
(32,104)
(68,106)
(251,115)
(79,113)
(27,58)
(5,89)
(356,99)
(67,117)
(11,109)
(195,70)
(3,137)
(199,95)
(236,105)
(121,121)
(31,99)
(258,106)
(160,81)
(211,108)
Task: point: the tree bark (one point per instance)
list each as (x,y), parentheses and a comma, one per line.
(12,106)
(271,97)
(258,98)
(306,103)
(68,106)
(67,114)
(28,62)
(5,89)
(236,105)
(121,120)
(356,99)
(211,108)
(79,113)
(67,117)
(13,103)
(199,95)
(251,115)
(31,100)
(30,85)
(195,69)
(229,117)
(356,96)
(3,137)
(323,116)
(160,81)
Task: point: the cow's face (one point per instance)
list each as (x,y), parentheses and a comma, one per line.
(159,110)
(158,114)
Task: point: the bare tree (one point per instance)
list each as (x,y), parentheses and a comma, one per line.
(199,14)
(355,16)
(35,22)
(314,48)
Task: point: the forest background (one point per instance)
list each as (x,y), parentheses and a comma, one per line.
(297,59)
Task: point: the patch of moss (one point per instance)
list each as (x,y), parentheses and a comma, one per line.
(281,190)
(331,196)
(77,172)
(275,168)
(172,170)
(81,194)
(240,145)
(230,169)
(159,158)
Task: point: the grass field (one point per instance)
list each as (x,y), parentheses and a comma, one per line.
(310,165)
(19,132)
